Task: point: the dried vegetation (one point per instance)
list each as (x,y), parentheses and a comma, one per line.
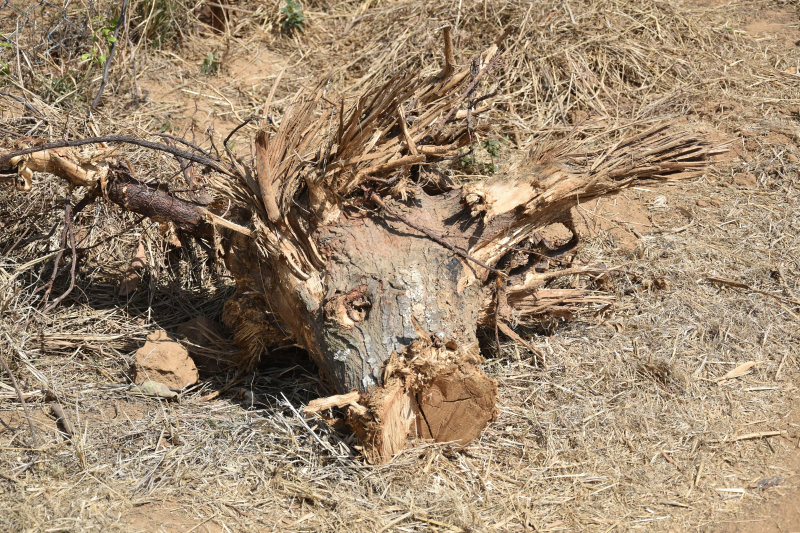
(632,415)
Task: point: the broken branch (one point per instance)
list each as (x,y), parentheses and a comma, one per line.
(5,159)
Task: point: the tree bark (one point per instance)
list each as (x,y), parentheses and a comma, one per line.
(396,313)
(156,203)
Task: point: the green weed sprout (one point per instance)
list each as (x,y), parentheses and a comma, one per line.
(293,17)
(210,64)
(102,35)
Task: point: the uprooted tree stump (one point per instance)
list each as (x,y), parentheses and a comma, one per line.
(346,243)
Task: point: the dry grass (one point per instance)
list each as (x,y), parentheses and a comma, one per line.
(628,426)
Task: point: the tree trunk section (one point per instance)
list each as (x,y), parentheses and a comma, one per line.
(396,320)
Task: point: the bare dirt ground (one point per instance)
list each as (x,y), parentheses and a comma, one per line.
(674,409)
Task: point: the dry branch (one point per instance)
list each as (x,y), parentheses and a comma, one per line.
(21,397)
(10,161)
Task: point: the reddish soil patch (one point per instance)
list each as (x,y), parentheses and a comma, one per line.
(619,218)
(194,100)
(166,516)
(783,26)
(778,510)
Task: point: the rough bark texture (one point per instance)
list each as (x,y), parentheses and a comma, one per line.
(158,204)
(385,282)
(396,321)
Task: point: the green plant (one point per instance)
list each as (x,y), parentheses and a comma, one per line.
(293,17)
(210,64)
(467,162)
(470,164)
(102,39)
(166,125)
(492,148)
(159,22)
(4,68)
(55,90)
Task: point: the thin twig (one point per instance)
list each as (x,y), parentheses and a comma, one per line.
(22,401)
(187,176)
(184,142)
(123,13)
(87,199)
(738,285)
(62,246)
(24,102)
(237,128)
(137,95)
(212,163)
(231,157)
(71,234)
(467,93)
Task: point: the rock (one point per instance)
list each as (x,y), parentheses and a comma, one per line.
(163,360)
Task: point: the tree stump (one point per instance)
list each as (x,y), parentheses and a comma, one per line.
(341,244)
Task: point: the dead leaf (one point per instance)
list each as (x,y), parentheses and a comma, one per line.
(154,388)
(739,371)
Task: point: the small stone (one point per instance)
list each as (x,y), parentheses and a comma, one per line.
(165,361)
(702,203)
